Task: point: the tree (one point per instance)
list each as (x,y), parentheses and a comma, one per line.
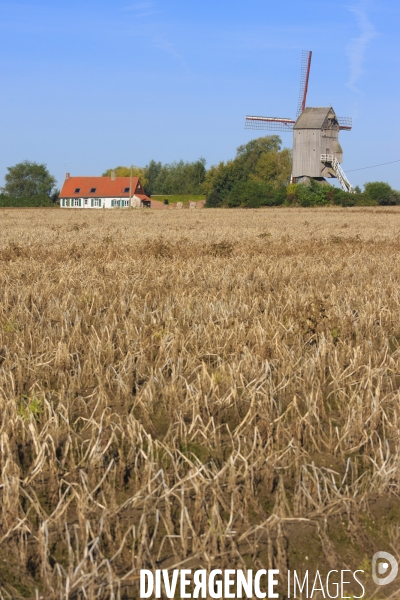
(176,178)
(221,178)
(248,155)
(55,195)
(126,172)
(28,179)
(260,160)
(119,172)
(213,200)
(153,170)
(275,167)
(381,192)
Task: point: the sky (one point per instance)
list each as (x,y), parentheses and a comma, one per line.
(88,85)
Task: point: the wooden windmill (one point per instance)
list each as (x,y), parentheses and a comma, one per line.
(316,149)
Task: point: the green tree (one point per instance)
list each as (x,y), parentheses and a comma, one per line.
(27,180)
(55,195)
(126,172)
(382,193)
(248,155)
(176,178)
(260,160)
(153,170)
(221,178)
(213,200)
(274,167)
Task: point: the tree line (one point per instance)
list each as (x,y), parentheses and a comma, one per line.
(174,178)
(259,175)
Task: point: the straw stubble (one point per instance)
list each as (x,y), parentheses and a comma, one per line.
(207,388)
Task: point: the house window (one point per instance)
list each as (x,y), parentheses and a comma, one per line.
(85,201)
(92,190)
(77,190)
(125,202)
(126,190)
(96,202)
(76,202)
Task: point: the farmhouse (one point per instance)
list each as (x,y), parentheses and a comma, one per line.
(103,192)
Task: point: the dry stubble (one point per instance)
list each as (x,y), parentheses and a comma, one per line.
(215,388)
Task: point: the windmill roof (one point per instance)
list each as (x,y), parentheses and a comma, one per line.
(104,187)
(314,118)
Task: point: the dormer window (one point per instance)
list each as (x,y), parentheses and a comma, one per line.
(92,190)
(77,190)
(126,190)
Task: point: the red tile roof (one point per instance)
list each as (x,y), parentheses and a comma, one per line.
(105,187)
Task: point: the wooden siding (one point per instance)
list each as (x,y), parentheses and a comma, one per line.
(308,145)
(306,153)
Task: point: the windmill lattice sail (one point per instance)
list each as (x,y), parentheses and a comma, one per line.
(282,124)
(269,123)
(345,123)
(306,56)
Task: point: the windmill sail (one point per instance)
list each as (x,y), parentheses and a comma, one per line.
(304,77)
(345,123)
(269,123)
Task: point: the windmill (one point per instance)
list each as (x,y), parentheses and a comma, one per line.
(316,149)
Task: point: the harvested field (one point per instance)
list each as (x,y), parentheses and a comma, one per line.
(196,389)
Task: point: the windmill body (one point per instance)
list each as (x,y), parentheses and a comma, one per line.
(317,153)
(315,133)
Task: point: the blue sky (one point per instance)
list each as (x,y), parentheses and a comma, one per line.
(90,85)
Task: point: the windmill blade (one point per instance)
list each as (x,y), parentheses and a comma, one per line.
(304,77)
(345,123)
(269,123)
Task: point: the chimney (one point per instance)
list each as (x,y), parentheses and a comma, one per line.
(67,175)
(113,176)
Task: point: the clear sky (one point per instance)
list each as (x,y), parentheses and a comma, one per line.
(87,85)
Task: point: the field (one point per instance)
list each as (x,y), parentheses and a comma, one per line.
(205,388)
(185,198)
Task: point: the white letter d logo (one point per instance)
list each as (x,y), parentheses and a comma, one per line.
(383,568)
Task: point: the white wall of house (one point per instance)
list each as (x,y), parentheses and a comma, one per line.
(100,202)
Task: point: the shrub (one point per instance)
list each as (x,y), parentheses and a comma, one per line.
(313,194)
(254,194)
(213,200)
(9,201)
